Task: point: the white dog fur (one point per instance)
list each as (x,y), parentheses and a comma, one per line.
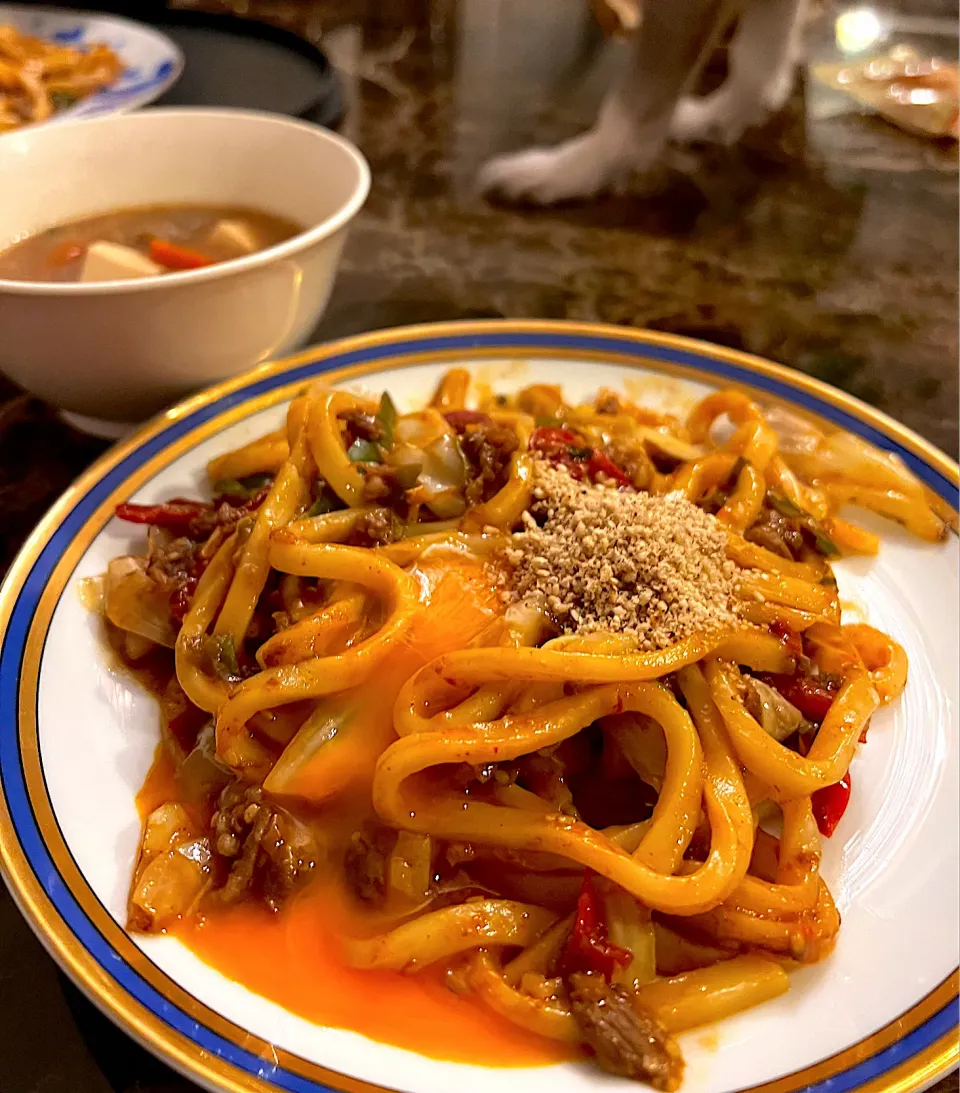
(652,102)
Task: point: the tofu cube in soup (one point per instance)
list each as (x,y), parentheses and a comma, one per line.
(233,236)
(115,262)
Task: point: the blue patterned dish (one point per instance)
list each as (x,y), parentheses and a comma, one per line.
(152,62)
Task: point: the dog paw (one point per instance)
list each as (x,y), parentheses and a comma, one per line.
(778,91)
(545,176)
(716,118)
(724,116)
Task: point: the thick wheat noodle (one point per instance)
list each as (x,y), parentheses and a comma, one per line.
(285,499)
(320,676)
(513,736)
(437,935)
(790,774)
(504,509)
(790,591)
(756,442)
(324,405)
(743,506)
(451,392)
(893,504)
(313,635)
(672,827)
(696,480)
(542,954)
(883,658)
(805,937)
(765,614)
(807,498)
(797,886)
(266,454)
(203,691)
(331,527)
(42,70)
(711,993)
(406,551)
(752,556)
(545,1017)
(760,651)
(522,424)
(738,407)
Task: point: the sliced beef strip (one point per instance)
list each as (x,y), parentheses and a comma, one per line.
(777,533)
(268,850)
(488,448)
(365,862)
(378,528)
(625,1040)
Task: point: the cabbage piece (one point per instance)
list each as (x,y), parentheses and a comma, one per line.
(629,926)
(136,603)
(174,870)
(426,439)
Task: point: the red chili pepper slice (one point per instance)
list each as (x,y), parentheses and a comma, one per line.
(588,949)
(829,805)
(812,697)
(603,464)
(180,599)
(173,516)
(550,440)
(790,639)
(562,448)
(565,448)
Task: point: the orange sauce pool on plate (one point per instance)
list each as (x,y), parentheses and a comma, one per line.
(293,959)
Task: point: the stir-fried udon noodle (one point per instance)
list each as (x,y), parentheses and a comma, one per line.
(577,674)
(38,78)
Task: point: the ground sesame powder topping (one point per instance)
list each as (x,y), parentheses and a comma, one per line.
(653,568)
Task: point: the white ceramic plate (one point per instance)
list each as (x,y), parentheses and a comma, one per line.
(76,741)
(152,62)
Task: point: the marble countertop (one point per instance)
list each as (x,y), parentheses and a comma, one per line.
(826,240)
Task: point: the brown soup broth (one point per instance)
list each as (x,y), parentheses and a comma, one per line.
(57,253)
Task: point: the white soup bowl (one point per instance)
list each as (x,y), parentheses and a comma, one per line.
(111,353)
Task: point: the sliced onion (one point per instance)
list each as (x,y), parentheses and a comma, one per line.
(163,828)
(794,433)
(778,717)
(448,504)
(421,428)
(843,455)
(201,774)
(442,478)
(664,441)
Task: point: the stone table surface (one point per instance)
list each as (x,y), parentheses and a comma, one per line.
(826,240)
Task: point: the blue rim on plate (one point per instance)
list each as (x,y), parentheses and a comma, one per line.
(912,1051)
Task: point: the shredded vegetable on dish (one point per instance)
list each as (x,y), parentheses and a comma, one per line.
(39,78)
